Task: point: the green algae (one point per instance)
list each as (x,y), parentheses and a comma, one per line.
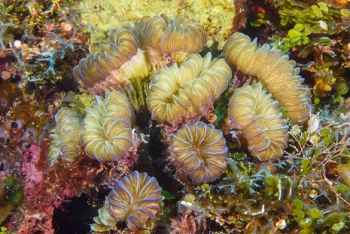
(314,29)
(13,193)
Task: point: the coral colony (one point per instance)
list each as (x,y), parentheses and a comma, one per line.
(180,137)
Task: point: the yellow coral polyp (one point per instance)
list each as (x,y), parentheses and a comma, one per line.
(275,71)
(65,138)
(114,64)
(200,151)
(169,36)
(134,199)
(108,125)
(256,115)
(188,90)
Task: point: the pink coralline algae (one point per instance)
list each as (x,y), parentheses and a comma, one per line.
(39,202)
(38,214)
(33,175)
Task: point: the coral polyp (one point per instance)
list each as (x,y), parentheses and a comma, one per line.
(134,199)
(200,151)
(120,47)
(169,36)
(275,71)
(117,64)
(256,115)
(108,124)
(188,90)
(65,138)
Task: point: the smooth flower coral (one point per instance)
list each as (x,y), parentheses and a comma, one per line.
(108,124)
(200,151)
(65,138)
(129,56)
(169,36)
(275,71)
(179,93)
(134,199)
(116,64)
(256,115)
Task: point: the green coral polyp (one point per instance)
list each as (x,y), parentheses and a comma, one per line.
(13,193)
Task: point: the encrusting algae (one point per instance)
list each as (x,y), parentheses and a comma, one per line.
(108,14)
